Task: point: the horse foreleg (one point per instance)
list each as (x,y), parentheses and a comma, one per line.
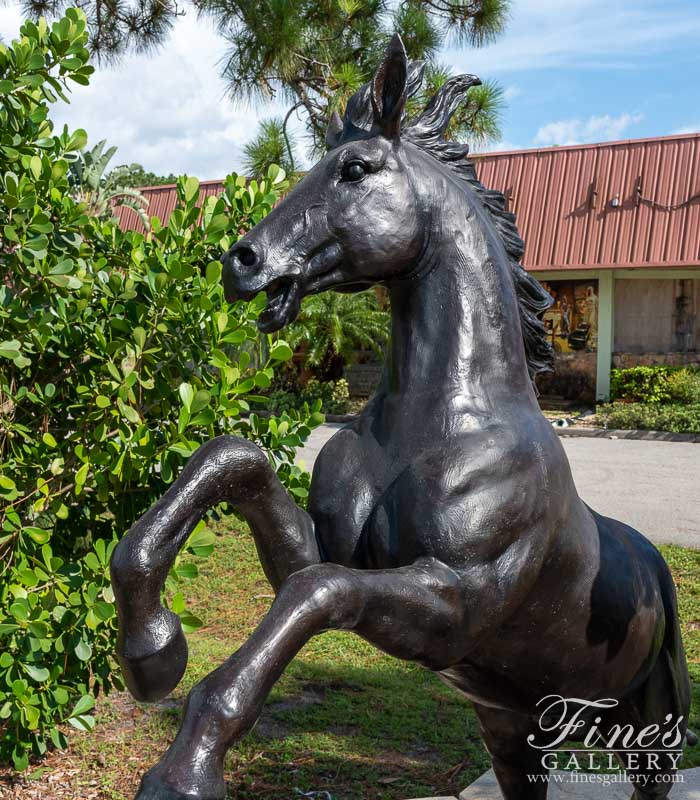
(414,612)
(151,646)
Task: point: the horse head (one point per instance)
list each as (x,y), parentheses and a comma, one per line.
(361,216)
(380,205)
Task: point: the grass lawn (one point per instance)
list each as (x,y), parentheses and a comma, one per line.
(344,718)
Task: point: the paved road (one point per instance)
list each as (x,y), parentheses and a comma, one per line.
(653,486)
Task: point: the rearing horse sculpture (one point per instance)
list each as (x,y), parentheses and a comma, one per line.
(443,524)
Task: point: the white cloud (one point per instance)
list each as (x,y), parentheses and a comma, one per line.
(577,131)
(501,146)
(168,112)
(10,21)
(688,129)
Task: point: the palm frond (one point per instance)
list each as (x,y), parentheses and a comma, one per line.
(334,324)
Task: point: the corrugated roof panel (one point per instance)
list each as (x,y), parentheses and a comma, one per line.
(563,200)
(684,165)
(650,172)
(665,182)
(568,200)
(562,197)
(628,191)
(690,248)
(587,208)
(161,203)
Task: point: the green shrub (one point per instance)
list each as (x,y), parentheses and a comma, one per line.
(332,397)
(640,384)
(684,385)
(283,401)
(660,384)
(640,416)
(118,358)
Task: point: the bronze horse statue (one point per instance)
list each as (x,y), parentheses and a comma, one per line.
(443,524)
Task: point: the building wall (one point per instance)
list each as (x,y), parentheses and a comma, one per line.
(645,318)
(656,316)
(628,360)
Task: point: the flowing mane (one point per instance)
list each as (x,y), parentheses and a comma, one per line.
(427,132)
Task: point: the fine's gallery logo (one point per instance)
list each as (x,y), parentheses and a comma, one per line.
(602,745)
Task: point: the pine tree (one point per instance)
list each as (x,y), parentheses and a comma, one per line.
(312,54)
(315,54)
(116,27)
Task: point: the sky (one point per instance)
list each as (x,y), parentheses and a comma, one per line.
(573,71)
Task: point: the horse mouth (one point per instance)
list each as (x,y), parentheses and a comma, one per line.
(283,304)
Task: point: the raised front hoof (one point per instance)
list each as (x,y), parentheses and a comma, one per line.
(152,676)
(152,788)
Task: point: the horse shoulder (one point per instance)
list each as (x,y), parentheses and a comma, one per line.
(476,498)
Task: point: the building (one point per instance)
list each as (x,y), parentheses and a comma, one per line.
(613,230)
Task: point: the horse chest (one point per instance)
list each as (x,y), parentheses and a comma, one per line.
(365,506)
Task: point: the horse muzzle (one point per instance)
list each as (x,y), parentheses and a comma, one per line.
(244,277)
(283,305)
(241,275)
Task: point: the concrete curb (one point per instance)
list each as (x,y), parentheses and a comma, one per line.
(341,417)
(609,433)
(571,430)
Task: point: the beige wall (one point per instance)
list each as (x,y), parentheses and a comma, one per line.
(647,315)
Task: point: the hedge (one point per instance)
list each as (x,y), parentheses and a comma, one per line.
(118,358)
(640,416)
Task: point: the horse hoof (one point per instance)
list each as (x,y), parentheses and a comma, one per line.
(150,676)
(152,788)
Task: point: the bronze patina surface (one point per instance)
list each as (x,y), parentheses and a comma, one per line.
(443,525)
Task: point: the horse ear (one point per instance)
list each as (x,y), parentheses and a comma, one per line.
(388,91)
(334,130)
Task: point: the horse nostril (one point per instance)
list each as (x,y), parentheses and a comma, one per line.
(246,255)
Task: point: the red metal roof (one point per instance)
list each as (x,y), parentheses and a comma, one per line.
(563,198)
(161,203)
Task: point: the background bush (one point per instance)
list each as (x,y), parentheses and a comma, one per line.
(118,358)
(332,397)
(684,385)
(655,385)
(641,416)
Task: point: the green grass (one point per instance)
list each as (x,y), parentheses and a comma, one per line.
(343,718)
(685,565)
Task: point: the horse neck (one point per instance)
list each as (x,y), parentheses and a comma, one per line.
(456,334)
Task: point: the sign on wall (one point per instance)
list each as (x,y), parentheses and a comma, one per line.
(572,320)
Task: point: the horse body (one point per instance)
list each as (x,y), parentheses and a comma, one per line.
(437,467)
(443,526)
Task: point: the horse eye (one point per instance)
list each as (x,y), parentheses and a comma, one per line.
(353,171)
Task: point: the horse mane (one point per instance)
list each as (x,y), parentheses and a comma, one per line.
(427,132)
